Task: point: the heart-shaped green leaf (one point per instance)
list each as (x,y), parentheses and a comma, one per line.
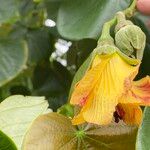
(13,59)
(55,131)
(17,114)
(78,19)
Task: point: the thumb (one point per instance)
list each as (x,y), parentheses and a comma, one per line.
(144,6)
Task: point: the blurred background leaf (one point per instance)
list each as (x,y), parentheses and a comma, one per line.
(144,132)
(40,45)
(9,12)
(13,59)
(79,19)
(6,143)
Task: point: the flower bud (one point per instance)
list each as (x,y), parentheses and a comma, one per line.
(130,39)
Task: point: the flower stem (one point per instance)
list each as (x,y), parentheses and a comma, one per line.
(131,9)
(106,30)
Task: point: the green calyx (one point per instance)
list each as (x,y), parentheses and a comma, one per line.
(129,38)
(80,134)
(107,49)
(129,60)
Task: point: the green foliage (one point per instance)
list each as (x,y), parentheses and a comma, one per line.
(79,19)
(6,143)
(17,113)
(11,15)
(60,134)
(31,65)
(144,132)
(13,59)
(39,42)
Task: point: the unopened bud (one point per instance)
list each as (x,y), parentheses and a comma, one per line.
(130,39)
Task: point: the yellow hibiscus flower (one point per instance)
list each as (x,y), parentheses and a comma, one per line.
(108,88)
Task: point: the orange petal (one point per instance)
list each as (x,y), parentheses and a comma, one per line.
(78,119)
(131,114)
(108,89)
(138,93)
(84,87)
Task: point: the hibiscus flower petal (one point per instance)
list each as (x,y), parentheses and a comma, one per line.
(131,114)
(139,93)
(84,87)
(78,119)
(108,89)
